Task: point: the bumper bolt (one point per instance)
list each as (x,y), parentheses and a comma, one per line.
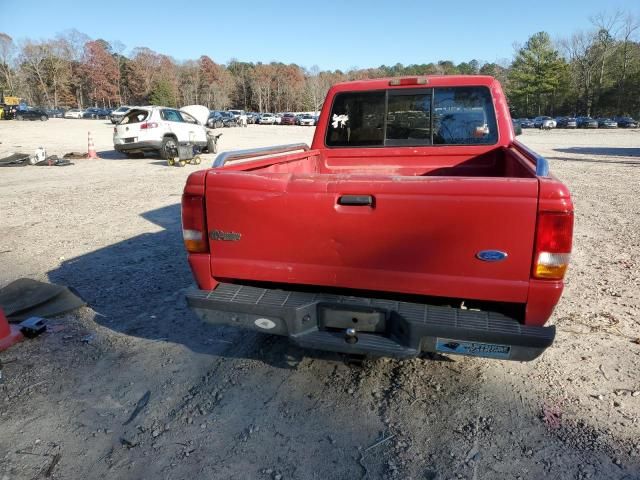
(350,335)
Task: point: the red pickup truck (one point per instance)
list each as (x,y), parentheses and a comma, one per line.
(416,222)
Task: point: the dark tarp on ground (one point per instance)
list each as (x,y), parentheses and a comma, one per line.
(26,298)
(15,160)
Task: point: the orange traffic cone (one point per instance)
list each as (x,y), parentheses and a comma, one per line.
(91,149)
(9,334)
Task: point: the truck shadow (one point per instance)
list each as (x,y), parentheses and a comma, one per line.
(136,287)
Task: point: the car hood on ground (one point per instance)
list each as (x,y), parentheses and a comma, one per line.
(199,112)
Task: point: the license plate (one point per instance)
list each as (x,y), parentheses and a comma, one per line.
(130,140)
(475,349)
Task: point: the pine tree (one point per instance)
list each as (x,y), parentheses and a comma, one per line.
(535,74)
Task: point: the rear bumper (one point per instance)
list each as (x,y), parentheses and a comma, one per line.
(382,327)
(148,145)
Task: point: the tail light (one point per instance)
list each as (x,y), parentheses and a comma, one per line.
(194,225)
(554,234)
(408,81)
(147,125)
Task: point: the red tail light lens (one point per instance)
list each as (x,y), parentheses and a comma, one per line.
(194,225)
(147,125)
(554,235)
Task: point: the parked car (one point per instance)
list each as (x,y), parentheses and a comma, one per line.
(566,122)
(606,123)
(267,119)
(306,119)
(95,113)
(526,123)
(252,117)
(158,129)
(236,113)
(55,112)
(278,118)
(457,287)
(288,119)
(219,119)
(73,113)
(32,113)
(544,123)
(587,122)
(626,122)
(118,113)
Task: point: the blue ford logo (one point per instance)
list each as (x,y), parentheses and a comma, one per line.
(491,255)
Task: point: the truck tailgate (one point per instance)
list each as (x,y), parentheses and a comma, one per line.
(419,235)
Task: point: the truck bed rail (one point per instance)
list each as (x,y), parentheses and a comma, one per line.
(542,165)
(225,157)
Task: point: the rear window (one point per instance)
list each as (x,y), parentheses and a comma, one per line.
(413,117)
(135,116)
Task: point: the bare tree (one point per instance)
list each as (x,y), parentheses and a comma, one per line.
(34,61)
(630,26)
(579,51)
(7,52)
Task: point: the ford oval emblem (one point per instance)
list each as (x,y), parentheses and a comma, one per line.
(491,255)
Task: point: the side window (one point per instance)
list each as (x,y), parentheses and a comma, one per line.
(464,116)
(357,120)
(188,118)
(171,115)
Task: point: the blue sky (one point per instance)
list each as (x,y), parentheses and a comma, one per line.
(330,34)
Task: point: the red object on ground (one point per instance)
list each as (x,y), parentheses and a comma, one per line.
(9,335)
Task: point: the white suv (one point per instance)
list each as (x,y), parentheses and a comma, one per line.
(157,129)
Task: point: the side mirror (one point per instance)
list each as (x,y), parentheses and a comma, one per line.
(517,129)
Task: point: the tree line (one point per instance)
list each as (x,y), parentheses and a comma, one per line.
(593,72)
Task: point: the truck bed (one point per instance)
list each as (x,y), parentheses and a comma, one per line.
(428,218)
(498,162)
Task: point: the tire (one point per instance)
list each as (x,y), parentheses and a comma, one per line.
(44,118)
(19,118)
(218,124)
(167,142)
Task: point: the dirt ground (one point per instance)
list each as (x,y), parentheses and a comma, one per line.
(225,404)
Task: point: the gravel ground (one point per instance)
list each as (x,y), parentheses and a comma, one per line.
(225,404)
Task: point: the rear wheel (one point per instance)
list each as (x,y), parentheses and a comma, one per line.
(19,118)
(218,124)
(44,118)
(169,146)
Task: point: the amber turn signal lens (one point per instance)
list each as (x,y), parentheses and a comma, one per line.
(551,265)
